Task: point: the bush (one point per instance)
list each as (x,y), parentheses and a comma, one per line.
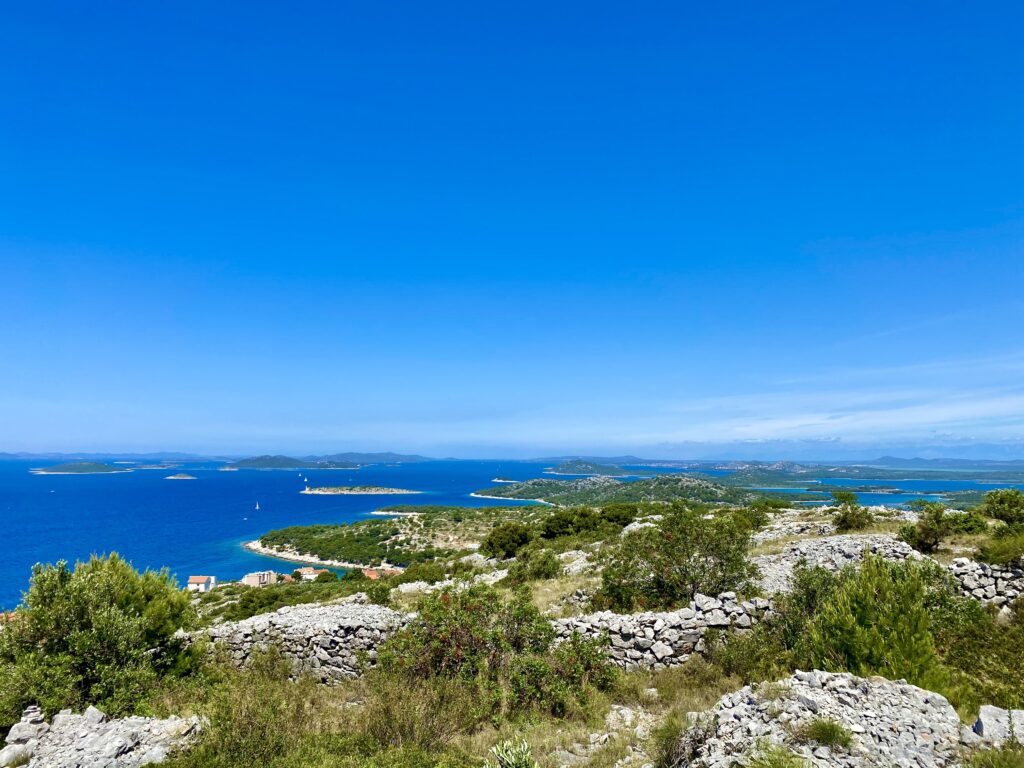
(99,634)
(532,564)
(849,515)
(825,732)
(967,522)
(1003,550)
(505,540)
(500,652)
(666,565)
(1006,504)
(511,754)
(1009,756)
(569,522)
(931,527)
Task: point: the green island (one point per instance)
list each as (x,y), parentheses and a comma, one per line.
(80,468)
(355,490)
(582,467)
(287,462)
(605,490)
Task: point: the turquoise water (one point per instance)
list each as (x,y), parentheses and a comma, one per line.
(198,526)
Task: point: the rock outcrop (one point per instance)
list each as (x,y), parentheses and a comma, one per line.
(90,740)
(659,640)
(995,726)
(325,640)
(832,553)
(999,585)
(889,723)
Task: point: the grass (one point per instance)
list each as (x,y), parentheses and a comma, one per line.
(1009,756)
(776,757)
(827,733)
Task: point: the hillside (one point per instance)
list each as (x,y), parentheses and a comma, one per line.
(605,490)
(584,467)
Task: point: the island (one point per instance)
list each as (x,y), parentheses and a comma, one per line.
(354,490)
(598,491)
(287,462)
(180,476)
(80,468)
(582,467)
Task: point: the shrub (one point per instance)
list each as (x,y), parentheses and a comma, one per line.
(512,754)
(1006,504)
(620,515)
(101,634)
(666,565)
(1009,756)
(532,564)
(849,515)
(420,714)
(773,756)
(505,540)
(931,527)
(1003,550)
(569,522)
(875,623)
(825,732)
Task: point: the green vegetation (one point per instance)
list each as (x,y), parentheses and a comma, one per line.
(599,491)
(287,462)
(1005,504)
(80,468)
(665,565)
(581,467)
(512,754)
(849,515)
(827,733)
(505,540)
(100,633)
(1009,756)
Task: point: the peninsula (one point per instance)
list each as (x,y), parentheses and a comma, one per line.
(355,490)
(583,467)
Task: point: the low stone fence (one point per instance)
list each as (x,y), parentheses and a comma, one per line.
(659,640)
(996,584)
(326,640)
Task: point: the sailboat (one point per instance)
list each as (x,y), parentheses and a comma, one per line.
(257,506)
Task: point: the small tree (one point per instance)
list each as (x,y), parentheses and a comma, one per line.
(849,515)
(666,565)
(931,527)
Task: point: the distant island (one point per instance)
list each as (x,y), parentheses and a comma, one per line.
(287,462)
(584,467)
(596,491)
(355,490)
(79,468)
(180,476)
(503,480)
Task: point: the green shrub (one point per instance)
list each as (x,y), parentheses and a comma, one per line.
(505,540)
(1003,550)
(849,515)
(569,522)
(967,522)
(825,732)
(774,756)
(420,714)
(101,634)
(875,623)
(666,565)
(532,564)
(1009,756)
(931,527)
(512,754)
(1006,504)
(620,515)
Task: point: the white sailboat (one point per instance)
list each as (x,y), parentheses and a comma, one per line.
(257,506)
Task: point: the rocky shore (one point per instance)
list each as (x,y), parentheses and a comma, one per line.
(293,556)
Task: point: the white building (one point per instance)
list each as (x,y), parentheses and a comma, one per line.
(201,583)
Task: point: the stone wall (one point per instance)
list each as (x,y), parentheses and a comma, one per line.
(326,640)
(90,740)
(659,640)
(999,585)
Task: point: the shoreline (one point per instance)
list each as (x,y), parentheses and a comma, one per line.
(111,472)
(386,513)
(292,556)
(510,498)
(357,491)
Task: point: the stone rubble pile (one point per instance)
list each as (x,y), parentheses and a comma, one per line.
(630,725)
(659,640)
(832,553)
(575,562)
(996,584)
(891,724)
(325,640)
(423,587)
(90,740)
(783,529)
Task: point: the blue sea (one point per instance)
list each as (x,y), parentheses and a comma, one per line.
(198,526)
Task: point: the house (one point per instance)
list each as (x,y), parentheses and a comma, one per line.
(260,578)
(375,573)
(201,583)
(309,573)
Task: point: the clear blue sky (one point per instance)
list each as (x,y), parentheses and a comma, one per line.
(509,229)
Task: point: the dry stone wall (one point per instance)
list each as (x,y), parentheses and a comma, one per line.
(999,585)
(663,639)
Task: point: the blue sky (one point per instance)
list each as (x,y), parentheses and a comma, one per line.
(511,229)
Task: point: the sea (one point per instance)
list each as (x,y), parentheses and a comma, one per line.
(197,527)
